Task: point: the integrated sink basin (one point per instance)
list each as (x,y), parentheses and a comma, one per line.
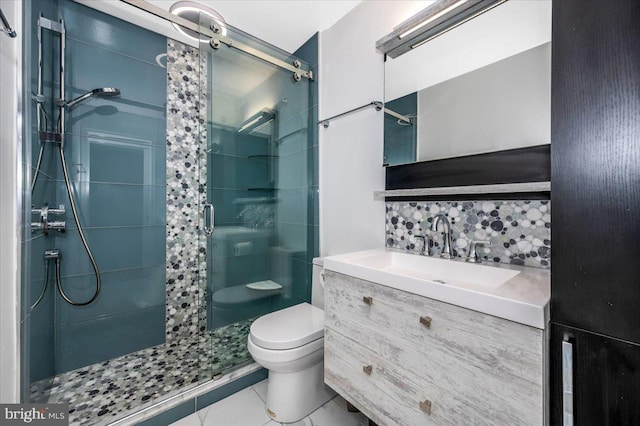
(512,292)
(434,270)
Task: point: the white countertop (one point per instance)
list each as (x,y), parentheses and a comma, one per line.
(523,298)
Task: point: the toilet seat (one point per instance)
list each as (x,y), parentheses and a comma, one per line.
(285,358)
(288,328)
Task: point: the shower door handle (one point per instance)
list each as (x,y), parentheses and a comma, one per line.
(209,217)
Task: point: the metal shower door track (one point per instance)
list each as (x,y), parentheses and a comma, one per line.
(294,67)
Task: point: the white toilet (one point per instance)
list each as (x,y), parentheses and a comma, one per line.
(290,344)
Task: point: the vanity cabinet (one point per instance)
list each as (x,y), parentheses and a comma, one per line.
(405,359)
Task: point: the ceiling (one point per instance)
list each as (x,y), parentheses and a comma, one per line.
(286,24)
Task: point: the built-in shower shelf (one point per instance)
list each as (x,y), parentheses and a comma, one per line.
(255,200)
(288,135)
(262,189)
(262,157)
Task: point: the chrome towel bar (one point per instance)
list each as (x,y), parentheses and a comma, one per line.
(377,104)
(6,28)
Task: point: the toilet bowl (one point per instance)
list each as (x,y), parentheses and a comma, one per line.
(290,344)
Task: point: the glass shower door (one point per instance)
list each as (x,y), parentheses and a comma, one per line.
(257,179)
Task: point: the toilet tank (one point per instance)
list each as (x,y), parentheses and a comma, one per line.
(317,283)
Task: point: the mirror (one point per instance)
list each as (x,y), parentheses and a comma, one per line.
(484,86)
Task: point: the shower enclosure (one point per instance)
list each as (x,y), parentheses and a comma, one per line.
(164,220)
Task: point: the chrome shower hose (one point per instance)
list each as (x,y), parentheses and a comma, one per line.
(74,210)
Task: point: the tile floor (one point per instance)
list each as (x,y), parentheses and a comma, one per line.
(103,392)
(247,408)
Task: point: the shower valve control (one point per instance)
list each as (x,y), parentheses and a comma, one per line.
(52,254)
(44,221)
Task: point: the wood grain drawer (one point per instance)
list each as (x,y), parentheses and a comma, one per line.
(494,365)
(387,394)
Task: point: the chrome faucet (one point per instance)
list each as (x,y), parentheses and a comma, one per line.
(446,245)
(425,250)
(473,256)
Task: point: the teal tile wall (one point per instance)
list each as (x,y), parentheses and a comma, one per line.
(228,141)
(108,33)
(41,344)
(400,140)
(114,248)
(120,116)
(116,155)
(288,177)
(235,172)
(138,284)
(90,66)
(137,204)
(309,52)
(102,338)
(172,415)
(238,167)
(94,159)
(41,324)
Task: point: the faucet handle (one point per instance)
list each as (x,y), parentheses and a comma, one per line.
(472,256)
(426,244)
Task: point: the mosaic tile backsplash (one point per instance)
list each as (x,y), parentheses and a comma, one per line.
(519,231)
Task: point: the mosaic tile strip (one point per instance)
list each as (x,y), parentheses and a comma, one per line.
(519,231)
(103,392)
(186,191)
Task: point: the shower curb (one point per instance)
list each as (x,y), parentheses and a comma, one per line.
(172,402)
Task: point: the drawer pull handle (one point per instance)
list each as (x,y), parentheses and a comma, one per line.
(367,369)
(426,321)
(367,299)
(426,406)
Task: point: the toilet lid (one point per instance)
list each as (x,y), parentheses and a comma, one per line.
(288,328)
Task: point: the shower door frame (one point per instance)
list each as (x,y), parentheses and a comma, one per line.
(215,35)
(12,215)
(272,100)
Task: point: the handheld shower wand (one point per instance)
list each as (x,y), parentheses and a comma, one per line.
(102,92)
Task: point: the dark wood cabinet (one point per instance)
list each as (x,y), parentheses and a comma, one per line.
(595,199)
(607,379)
(595,166)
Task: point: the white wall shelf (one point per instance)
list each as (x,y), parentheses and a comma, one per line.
(471,189)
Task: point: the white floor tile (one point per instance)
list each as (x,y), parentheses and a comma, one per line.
(202,414)
(190,420)
(340,401)
(304,422)
(335,412)
(244,408)
(261,389)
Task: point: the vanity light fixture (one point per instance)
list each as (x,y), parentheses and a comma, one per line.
(435,20)
(432,18)
(257,121)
